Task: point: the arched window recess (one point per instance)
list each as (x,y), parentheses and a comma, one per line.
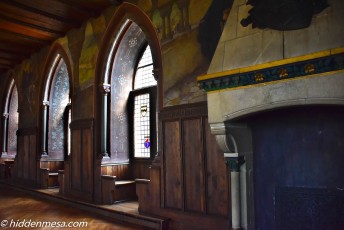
(129,78)
(56,112)
(10,122)
(142,108)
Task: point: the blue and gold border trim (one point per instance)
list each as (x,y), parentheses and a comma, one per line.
(286,69)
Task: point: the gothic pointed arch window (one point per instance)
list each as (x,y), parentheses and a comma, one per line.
(143,101)
(10,122)
(129,97)
(56,112)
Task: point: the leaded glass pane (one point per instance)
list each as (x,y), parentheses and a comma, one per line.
(142,126)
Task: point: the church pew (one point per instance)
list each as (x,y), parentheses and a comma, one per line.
(49,173)
(114,190)
(49,179)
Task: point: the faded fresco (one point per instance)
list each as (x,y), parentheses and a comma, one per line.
(189,39)
(88,57)
(27,77)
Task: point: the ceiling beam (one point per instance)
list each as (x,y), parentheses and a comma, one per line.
(6,62)
(14,48)
(31,26)
(12,35)
(91,12)
(41,12)
(12,56)
(32,18)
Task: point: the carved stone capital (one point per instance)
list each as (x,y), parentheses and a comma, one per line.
(232,137)
(45,103)
(234,161)
(219,130)
(105,88)
(155,73)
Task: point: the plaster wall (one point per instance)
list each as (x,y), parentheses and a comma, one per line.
(246,46)
(242,47)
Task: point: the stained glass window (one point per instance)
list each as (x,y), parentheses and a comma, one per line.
(142,126)
(142,112)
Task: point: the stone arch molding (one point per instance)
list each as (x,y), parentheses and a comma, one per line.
(56,55)
(11,86)
(120,24)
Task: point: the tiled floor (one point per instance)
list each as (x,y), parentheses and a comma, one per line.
(20,209)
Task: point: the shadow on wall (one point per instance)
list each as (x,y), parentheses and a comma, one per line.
(211,26)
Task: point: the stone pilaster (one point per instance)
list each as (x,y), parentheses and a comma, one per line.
(45,111)
(105,89)
(4,136)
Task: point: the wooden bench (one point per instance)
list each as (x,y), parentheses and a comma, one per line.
(61,182)
(114,190)
(6,167)
(2,170)
(49,179)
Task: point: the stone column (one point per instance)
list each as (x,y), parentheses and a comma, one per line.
(105,90)
(234,162)
(235,141)
(44,127)
(4,136)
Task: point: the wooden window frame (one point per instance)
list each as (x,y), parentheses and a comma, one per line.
(152,91)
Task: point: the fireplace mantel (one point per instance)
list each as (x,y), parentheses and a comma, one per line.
(255,70)
(305,80)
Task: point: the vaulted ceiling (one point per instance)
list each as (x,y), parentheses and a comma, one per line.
(28,25)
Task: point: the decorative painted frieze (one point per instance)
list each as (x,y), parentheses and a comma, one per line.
(287,69)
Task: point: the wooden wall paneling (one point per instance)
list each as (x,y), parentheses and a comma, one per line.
(87,160)
(173,165)
(19,157)
(103,170)
(33,157)
(66,177)
(193,187)
(141,169)
(121,171)
(26,162)
(217,176)
(75,160)
(194,183)
(25,167)
(82,160)
(155,187)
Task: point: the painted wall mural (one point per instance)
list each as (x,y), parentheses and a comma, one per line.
(190,35)
(89,50)
(182,41)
